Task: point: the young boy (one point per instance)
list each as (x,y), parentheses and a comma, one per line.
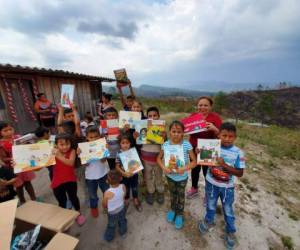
(129,102)
(114,202)
(220,183)
(7,180)
(69,114)
(87,121)
(95,173)
(113,145)
(153,173)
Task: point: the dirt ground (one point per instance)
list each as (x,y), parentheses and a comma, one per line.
(262,217)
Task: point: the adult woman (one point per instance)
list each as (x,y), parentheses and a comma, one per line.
(44,108)
(105,104)
(213,123)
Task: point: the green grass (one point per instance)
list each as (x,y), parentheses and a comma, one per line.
(280,142)
(287,242)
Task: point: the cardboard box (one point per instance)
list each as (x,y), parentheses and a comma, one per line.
(53,219)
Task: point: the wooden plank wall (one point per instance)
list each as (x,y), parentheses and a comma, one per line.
(4,116)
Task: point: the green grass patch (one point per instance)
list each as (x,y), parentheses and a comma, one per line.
(287,242)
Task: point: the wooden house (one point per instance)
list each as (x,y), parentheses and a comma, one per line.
(20,85)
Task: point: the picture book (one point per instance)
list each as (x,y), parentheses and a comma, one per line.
(128,118)
(131,161)
(121,75)
(25,139)
(210,150)
(155,131)
(174,157)
(141,128)
(94,150)
(194,123)
(67,95)
(30,157)
(110,129)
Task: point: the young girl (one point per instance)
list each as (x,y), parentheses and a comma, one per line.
(130,180)
(7,137)
(64,179)
(113,201)
(177,179)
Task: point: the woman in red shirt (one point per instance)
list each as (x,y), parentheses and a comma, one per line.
(213,124)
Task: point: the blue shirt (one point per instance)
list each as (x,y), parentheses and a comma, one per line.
(234,157)
(186,148)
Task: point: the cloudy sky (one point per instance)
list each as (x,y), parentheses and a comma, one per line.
(171,43)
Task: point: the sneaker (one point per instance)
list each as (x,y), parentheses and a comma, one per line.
(160,198)
(230,240)
(191,193)
(94,212)
(150,198)
(170,216)
(80,220)
(204,227)
(179,222)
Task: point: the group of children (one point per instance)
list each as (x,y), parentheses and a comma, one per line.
(116,184)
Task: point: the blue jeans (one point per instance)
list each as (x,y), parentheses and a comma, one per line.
(92,186)
(212,194)
(114,220)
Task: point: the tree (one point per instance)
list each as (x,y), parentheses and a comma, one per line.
(220,102)
(265,107)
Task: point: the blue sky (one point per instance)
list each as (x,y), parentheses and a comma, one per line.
(170,43)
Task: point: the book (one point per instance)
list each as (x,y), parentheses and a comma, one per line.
(131,161)
(67,95)
(141,128)
(174,157)
(210,150)
(194,123)
(128,118)
(25,139)
(121,75)
(155,131)
(110,129)
(94,150)
(30,157)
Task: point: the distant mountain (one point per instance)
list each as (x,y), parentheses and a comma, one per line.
(156,91)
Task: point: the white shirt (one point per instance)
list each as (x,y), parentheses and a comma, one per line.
(96,170)
(117,201)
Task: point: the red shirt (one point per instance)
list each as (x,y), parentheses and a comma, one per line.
(215,119)
(6,146)
(63,173)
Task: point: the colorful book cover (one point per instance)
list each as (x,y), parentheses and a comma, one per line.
(110,129)
(121,75)
(32,156)
(94,150)
(128,118)
(67,95)
(155,131)
(194,123)
(131,161)
(141,128)
(210,150)
(174,157)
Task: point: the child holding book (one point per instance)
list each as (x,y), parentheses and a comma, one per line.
(69,114)
(95,173)
(113,201)
(64,179)
(153,173)
(23,180)
(43,135)
(113,145)
(177,178)
(130,180)
(220,184)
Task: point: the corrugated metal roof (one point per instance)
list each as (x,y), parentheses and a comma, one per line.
(17,69)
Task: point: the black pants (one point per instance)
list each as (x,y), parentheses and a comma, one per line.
(111,163)
(196,173)
(131,183)
(61,192)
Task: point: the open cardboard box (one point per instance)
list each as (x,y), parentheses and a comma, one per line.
(53,220)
